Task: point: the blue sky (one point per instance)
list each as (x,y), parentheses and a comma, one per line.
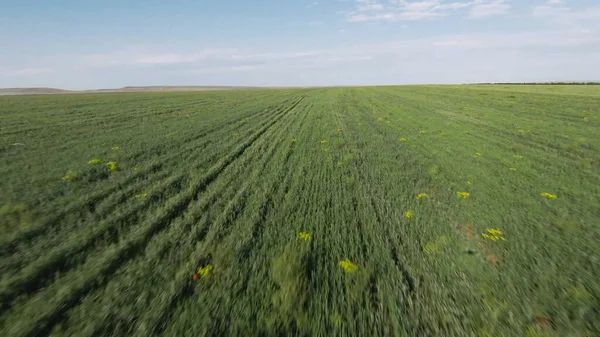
(107,44)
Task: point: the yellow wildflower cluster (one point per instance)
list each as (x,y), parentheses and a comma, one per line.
(402,140)
(380,119)
(477,154)
(513,168)
(469,182)
(294,140)
(421,195)
(324,141)
(141,195)
(464,195)
(95,161)
(548,195)
(585,119)
(422,132)
(202,272)
(409,214)
(115,148)
(493,234)
(304,236)
(518,157)
(112,166)
(348,266)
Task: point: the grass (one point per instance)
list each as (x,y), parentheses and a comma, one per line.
(392,211)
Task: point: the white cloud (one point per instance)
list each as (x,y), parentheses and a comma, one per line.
(486,8)
(312,5)
(554,2)
(398,10)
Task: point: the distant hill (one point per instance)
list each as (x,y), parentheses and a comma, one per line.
(54,91)
(32,91)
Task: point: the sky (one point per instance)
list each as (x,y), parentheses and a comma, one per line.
(83,44)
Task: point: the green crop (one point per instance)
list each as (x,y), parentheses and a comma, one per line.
(384,211)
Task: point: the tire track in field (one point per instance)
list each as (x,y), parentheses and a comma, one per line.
(129,190)
(250,243)
(147,203)
(141,237)
(181,288)
(35,273)
(233,211)
(9,246)
(235,207)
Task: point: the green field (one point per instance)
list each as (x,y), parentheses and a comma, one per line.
(309,212)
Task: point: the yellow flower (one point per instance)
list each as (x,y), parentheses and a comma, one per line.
(518,157)
(493,234)
(141,195)
(548,195)
(324,141)
(304,236)
(421,195)
(293,140)
(402,140)
(95,161)
(469,182)
(202,272)
(494,231)
(478,154)
(115,148)
(464,195)
(70,175)
(513,168)
(380,119)
(585,119)
(348,266)
(409,214)
(112,166)
(422,132)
